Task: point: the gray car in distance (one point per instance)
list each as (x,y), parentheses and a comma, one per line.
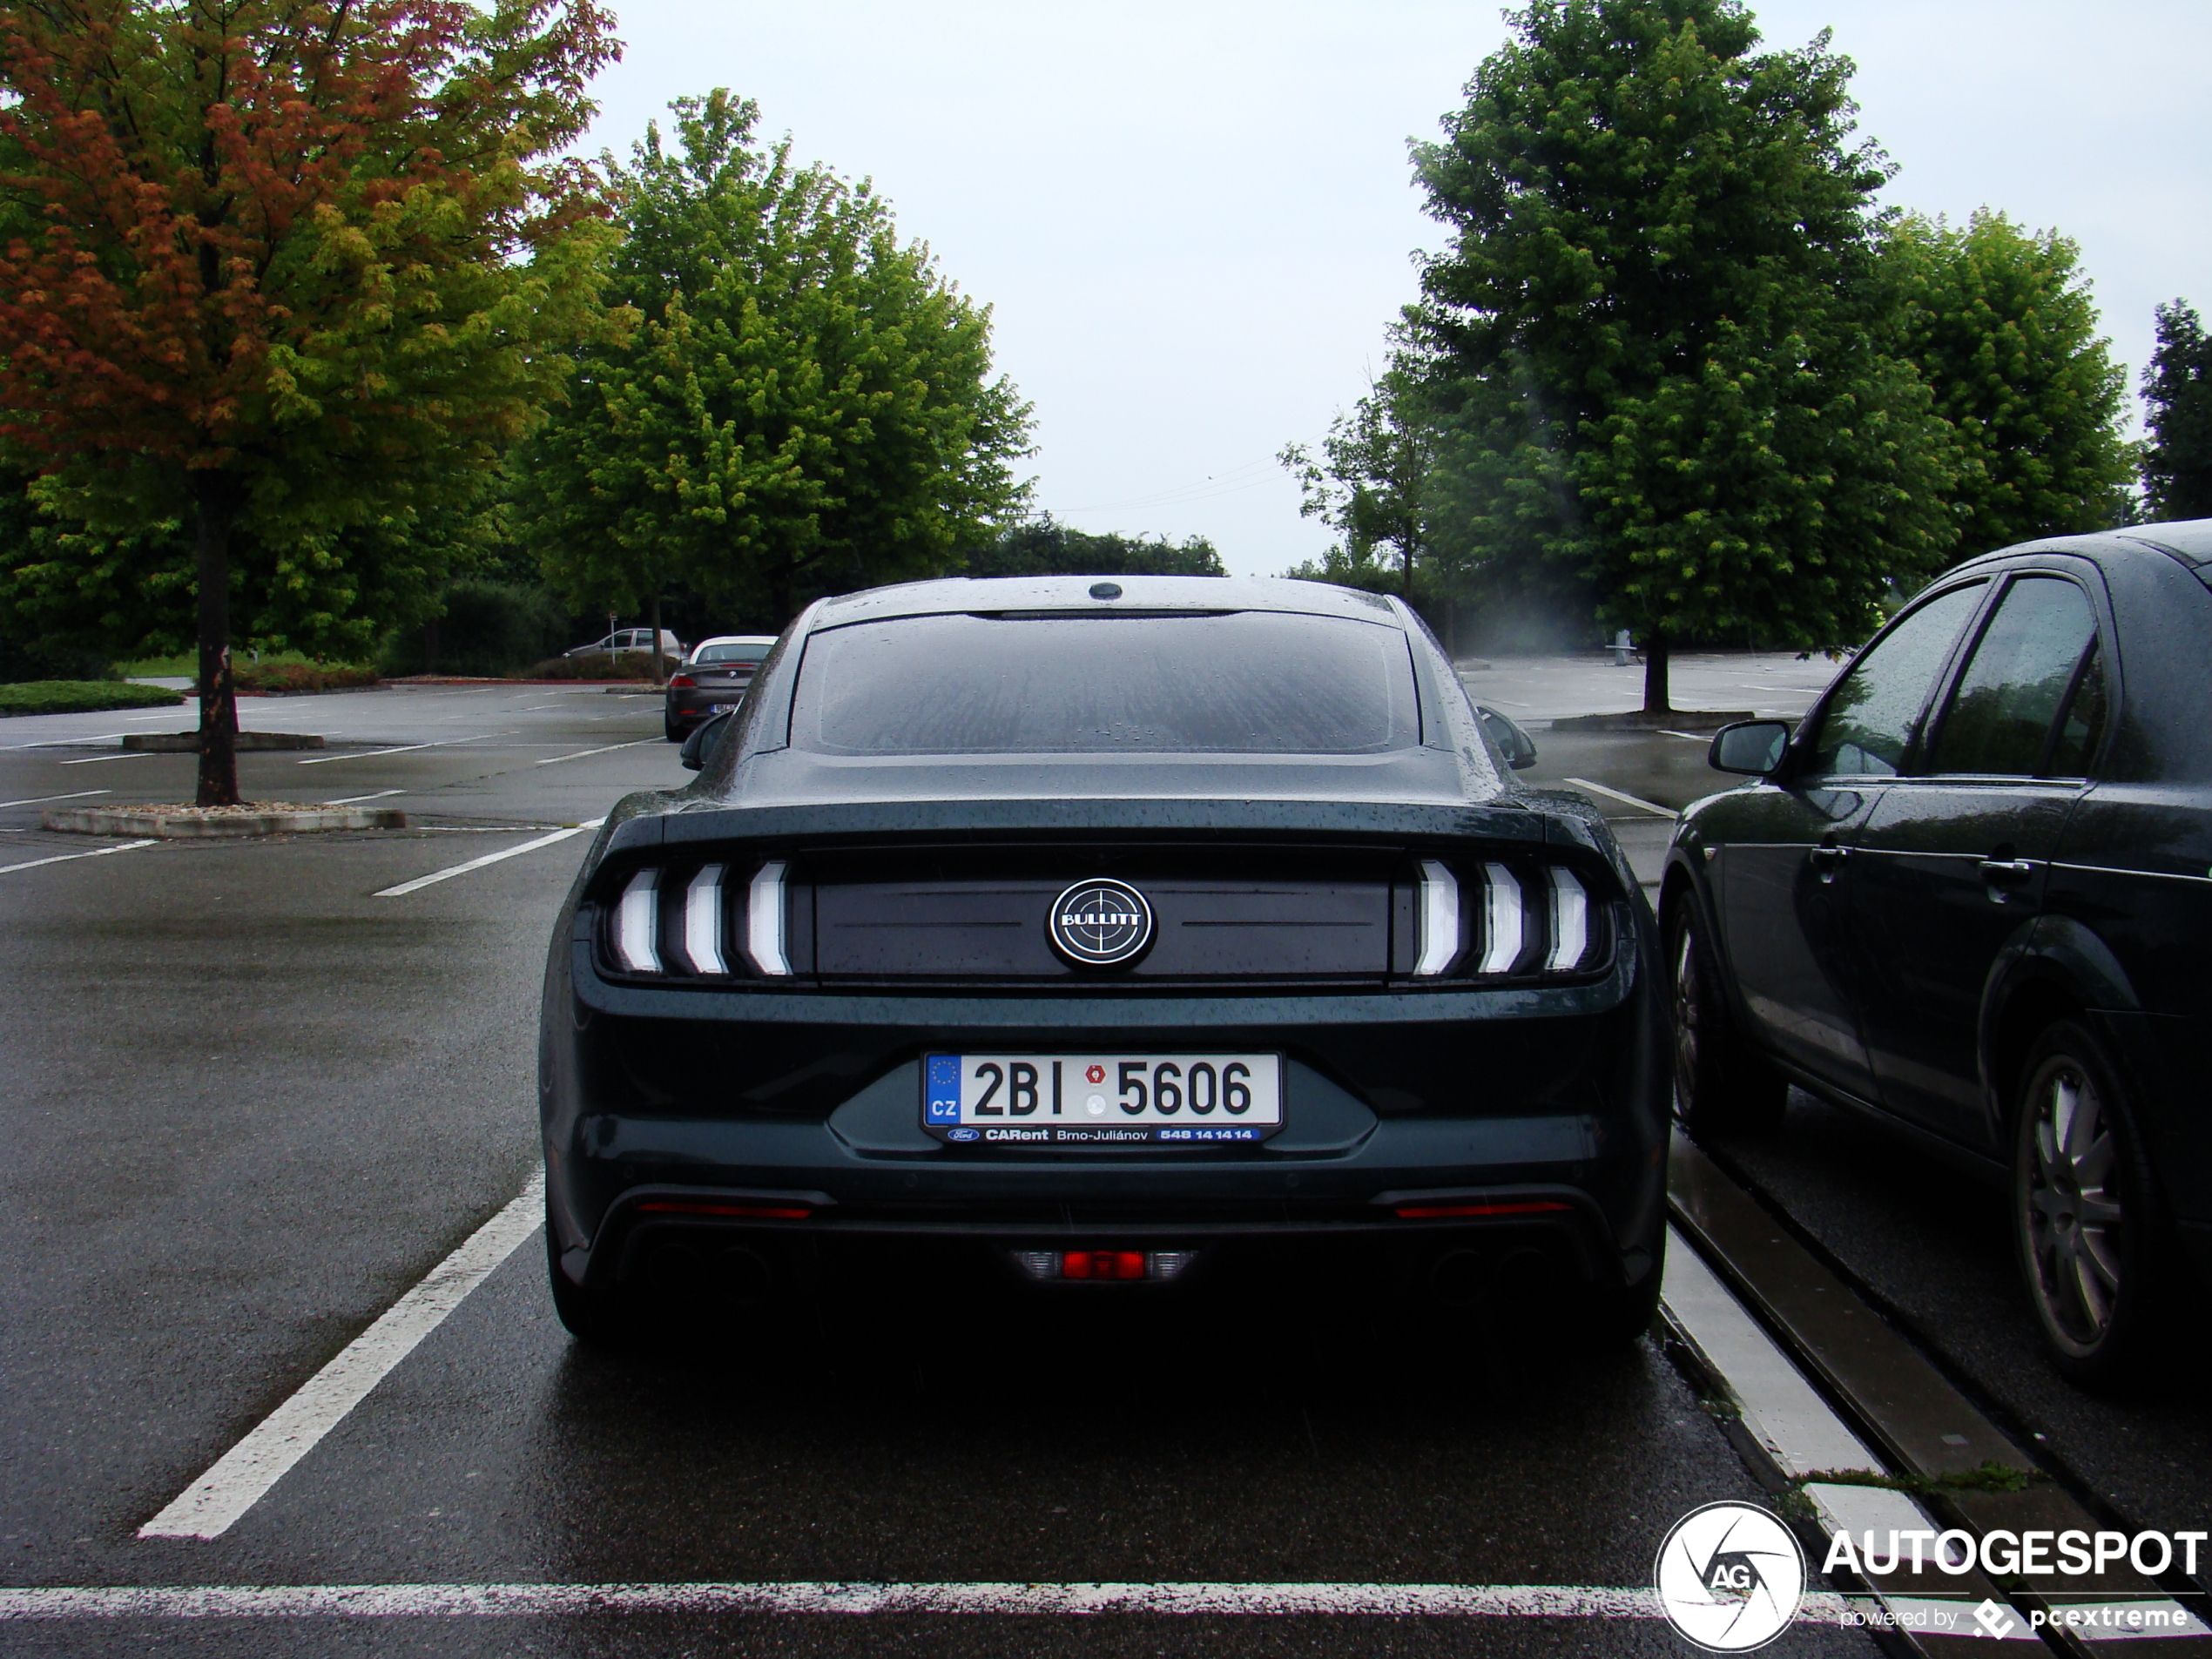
(713,678)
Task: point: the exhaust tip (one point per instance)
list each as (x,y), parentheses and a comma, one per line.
(742,1277)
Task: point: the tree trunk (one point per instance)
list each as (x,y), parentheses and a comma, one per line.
(658,676)
(779,586)
(215,503)
(1654,675)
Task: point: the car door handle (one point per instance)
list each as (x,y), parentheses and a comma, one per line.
(2001,872)
(1827,861)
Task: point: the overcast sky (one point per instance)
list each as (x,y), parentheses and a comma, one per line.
(1194,220)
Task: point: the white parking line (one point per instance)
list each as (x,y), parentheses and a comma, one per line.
(403,749)
(1633,801)
(64,858)
(208,1507)
(94,760)
(35,800)
(555,760)
(541,1601)
(348,800)
(64,743)
(422,881)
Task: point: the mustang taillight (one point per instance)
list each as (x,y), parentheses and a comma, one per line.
(1500,919)
(667,922)
(637,924)
(764,919)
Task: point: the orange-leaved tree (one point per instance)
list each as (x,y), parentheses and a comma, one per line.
(288,264)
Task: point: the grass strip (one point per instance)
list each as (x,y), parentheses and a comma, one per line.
(81,697)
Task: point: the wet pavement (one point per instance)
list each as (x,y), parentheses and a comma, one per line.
(248,1104)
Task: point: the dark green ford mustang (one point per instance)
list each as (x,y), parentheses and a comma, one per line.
(1136,932)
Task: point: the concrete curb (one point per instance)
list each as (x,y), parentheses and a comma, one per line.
(1697,719)
(183,743)
(189,826)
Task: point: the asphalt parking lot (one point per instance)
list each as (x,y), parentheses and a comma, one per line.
(251,1101)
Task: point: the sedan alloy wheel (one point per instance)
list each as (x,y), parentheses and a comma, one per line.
(2079,1217)
(2073,1214)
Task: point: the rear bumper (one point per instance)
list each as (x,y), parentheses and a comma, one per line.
(695,707)
(1547,1236)
(1587,1186)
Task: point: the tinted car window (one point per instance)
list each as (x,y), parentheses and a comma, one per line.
(1870,721)
(731,653)
(2020,673)
(2084,725)
(1241,683)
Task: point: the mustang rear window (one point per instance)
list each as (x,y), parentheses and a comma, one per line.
(1245,682)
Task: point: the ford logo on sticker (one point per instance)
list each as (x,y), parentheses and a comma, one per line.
(963,1134)
(1100,924)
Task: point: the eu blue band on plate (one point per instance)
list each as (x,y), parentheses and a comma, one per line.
(943,1090)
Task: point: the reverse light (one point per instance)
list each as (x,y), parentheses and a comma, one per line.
(637,924)
(765,921)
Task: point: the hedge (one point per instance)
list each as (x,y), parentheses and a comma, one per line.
(81,697)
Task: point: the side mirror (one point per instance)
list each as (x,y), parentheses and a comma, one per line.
(1518,747)
(699,747)
(1753,747)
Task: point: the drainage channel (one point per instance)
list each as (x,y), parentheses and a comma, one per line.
(1861,1435)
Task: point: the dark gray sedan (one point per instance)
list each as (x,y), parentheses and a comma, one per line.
(713,678)
(1969,895)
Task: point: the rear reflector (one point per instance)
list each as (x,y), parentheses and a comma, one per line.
(1440,920)
(758,1211)
(765,921)
(1434,1211)
(637,924)
(1101,1263)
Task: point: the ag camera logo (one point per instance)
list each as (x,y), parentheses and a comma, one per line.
(1101,924)
(1729,1577)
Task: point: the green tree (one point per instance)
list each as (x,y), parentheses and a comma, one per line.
(2177,386)
(285,267)
(2001,326)
(807,407)
(1041,546)
(1369,481)
(129,592)
(1651,348)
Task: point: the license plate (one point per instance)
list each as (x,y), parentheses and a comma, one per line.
(1101,1100)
